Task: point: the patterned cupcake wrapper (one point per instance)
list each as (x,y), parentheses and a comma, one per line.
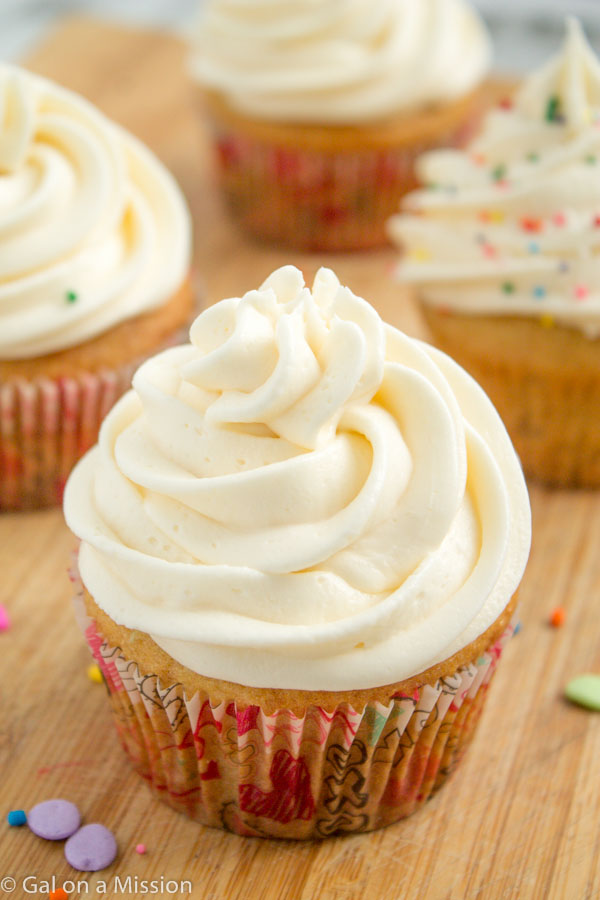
(316,200)
(46,425)
(279,775)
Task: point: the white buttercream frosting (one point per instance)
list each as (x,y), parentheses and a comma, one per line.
(339,61)
(302,497)
(512,224)
(93,229)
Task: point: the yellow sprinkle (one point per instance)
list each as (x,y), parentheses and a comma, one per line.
(94,674)
(496,215)
(421,254)
(547,321)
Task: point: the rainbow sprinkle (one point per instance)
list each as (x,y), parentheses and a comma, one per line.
(539,291)
(508,287)
(553,109)
(547,321)
(581,292)
(71,297)
(529,223)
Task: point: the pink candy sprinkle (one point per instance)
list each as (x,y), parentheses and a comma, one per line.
(140,848)
(4,618)
(581,292)
(489,251)
(559,219)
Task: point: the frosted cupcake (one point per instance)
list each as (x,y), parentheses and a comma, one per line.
(94,260)
(301,536)
(504,249)
(319,109)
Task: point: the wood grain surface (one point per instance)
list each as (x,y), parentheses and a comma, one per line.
(520,817)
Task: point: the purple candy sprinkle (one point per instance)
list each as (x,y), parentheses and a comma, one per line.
(54,820)
(91,848)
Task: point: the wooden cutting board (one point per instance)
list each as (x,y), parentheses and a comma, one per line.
(520,817)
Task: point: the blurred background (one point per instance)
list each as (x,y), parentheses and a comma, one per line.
(524,31)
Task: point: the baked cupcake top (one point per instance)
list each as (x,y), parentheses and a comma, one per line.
(94,229)
(302,497)
(512,225)
(339,61)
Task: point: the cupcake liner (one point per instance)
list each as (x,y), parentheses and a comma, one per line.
(46,425)
(312,199)
(330,771)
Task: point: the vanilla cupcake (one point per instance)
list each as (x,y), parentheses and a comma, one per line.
(301,536)
(320,109)
(94,262)
(503,247)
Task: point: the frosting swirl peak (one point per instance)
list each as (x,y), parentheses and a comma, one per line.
(93,228)
(302,497)
(512,224)
(339,61)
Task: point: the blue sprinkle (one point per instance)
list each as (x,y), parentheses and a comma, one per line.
(563,267)
(539,291)
(517,628)
(533,247)
(17,817)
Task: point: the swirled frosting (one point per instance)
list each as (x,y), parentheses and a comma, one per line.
(512,225)
(339,61)
(93,229)
(302,497)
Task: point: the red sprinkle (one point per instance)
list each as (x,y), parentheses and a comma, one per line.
(489,251)
(4,618)
(506,103)
(530,224)
(557,617)
(597,221)
(581,292)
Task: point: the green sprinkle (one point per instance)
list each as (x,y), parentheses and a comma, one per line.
(508,287)
(552,109)
(591,159)
(71,296)
(499,172)
(585,691)
(533,157)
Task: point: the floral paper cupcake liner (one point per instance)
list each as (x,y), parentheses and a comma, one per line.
(314,199)
(330,771)
(47,424)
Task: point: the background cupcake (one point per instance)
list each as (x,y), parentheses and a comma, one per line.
(320,109)
(503,247)
(94,260)
(301,534)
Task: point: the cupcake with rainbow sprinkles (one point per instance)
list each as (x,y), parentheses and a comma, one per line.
(502,245)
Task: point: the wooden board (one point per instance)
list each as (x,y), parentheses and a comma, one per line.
(519,819)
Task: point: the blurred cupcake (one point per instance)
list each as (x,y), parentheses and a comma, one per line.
(94,260)
(504,249)
(320,109)
(301,535)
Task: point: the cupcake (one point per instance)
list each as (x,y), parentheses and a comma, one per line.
(301,537)
(503,247)
(94,262)
(319,110)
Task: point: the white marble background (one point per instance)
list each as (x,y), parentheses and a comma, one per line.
(525,31)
